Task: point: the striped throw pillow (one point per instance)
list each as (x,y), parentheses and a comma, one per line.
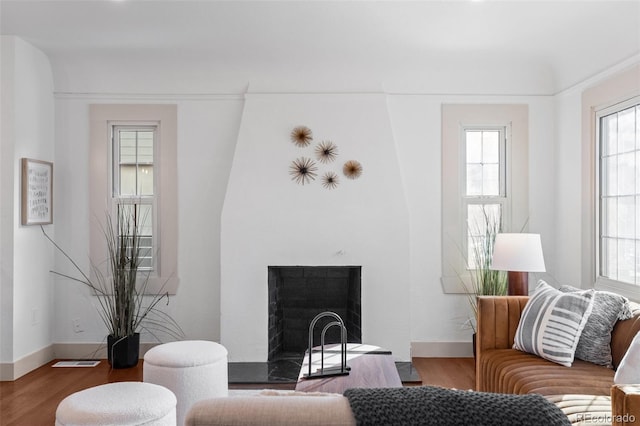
(551,323)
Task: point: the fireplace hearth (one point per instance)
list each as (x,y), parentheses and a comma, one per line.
(298,293)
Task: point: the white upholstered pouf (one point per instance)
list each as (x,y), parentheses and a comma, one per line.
(121,403)
(192,369)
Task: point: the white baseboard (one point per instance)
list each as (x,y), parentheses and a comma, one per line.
(15,370)
(441,349)
(6,372)
(10,371)
(89,350)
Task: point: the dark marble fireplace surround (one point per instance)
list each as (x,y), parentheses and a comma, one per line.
(298,293)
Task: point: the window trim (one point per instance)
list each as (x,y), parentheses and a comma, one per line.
(456,117)
(165,277)
(601,282)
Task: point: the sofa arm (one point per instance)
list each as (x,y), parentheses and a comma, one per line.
(498,319)
(625,405)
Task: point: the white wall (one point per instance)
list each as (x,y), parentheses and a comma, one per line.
(207,131)
(416,120)
(269,220)
(7,177)
(28,131)
(568,191)
(209,127)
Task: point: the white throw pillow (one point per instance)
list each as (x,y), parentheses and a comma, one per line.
(629,369)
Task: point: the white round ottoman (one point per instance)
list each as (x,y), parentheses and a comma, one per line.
(192,369)
(121,403)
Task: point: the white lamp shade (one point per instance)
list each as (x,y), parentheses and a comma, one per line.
(518,252)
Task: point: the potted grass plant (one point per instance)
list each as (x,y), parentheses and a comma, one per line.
(124,304)
(484,281)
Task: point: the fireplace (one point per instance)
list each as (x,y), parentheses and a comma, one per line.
(362,222)
(298,293)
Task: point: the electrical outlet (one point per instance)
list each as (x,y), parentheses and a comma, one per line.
(77,328)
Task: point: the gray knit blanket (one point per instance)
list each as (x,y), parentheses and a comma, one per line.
(430,405)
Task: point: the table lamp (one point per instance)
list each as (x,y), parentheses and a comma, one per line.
(518,254)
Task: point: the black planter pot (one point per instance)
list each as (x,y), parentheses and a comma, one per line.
(123,352)
(474,345)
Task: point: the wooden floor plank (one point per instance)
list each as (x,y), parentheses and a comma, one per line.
(32,399)
(457,373)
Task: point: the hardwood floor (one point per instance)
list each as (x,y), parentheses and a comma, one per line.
(458,373)
(32,399)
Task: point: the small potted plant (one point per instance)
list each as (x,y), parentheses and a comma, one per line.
(124,305)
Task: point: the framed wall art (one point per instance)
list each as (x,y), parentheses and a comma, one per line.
(37,192)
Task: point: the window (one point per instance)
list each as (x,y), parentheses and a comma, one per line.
(133,160)
(485,180)
(603,111)
(485,194)
(618,215)
(133,183)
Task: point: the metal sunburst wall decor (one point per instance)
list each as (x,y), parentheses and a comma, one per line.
(330,180)
(301,136)
(352,169)
(303,170)
(326,151)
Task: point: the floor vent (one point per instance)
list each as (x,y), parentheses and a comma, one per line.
(80,363)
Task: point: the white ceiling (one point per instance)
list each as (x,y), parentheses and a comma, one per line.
(563,42)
